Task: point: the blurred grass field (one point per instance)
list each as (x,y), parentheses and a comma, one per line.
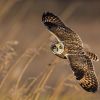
(28,69)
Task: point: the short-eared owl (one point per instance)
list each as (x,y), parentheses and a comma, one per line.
(69,45)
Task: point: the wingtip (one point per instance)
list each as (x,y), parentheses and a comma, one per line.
(47,19)
(43,16)
(94,90)
(46,13)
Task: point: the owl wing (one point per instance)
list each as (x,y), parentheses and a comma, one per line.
(84,71)
(59,30)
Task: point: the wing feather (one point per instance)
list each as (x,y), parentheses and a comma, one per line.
(55,25)
(84,71)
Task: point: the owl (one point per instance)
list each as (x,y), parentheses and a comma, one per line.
(70,46)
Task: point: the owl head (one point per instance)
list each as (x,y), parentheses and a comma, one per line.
(57,48)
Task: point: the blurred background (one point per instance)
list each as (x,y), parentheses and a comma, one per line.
(31,58)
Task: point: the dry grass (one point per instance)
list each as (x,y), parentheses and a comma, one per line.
(7,54)
(58,89)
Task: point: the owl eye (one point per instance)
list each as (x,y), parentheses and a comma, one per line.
(54,47)
(60,47)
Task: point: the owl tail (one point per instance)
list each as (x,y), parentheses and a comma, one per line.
(49,19)
(89,82)
(92,56)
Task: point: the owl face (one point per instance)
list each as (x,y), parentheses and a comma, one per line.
(57,48)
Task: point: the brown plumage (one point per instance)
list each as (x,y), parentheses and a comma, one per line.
(80,60)
(92,56)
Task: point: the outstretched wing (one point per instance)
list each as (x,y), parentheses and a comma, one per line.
(59,30)
(84,71)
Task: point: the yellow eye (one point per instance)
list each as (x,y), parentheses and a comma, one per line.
(60,47)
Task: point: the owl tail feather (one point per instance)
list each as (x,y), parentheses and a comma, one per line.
(92,56)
